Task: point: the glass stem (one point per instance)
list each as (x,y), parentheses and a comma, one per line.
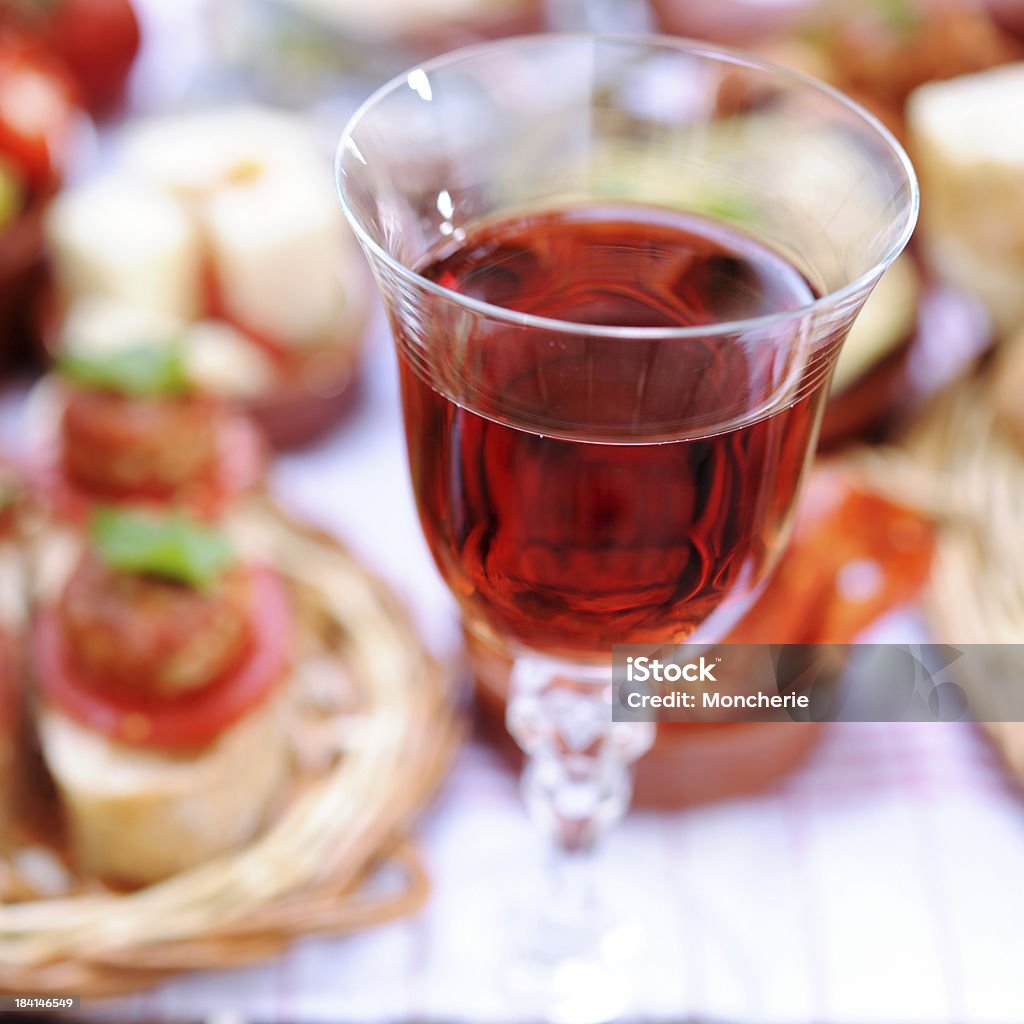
(577,781)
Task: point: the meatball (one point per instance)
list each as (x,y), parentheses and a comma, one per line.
(118,444)
(150,636)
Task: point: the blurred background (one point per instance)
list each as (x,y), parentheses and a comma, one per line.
(842,872)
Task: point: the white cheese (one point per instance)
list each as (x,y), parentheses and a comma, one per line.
(119,239)
(279,248)
(194,154)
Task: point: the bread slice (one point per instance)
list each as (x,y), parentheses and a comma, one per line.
(969,152)
(139,816)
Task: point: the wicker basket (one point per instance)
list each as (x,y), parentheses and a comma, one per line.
(965,467)
(334,857)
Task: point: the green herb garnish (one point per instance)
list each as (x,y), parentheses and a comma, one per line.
(174,547)
(144,371)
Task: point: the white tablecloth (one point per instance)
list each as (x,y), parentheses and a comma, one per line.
(882,882)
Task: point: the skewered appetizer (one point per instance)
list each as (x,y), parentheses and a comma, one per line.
(134,427)
(969,152)
(158,666)
(221,231)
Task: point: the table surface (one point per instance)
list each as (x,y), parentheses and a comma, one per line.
(881,882)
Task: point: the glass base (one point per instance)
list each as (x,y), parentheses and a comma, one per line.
(566,967)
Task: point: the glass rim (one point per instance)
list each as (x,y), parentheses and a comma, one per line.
(696,47)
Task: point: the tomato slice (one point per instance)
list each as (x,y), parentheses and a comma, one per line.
(192,720)
(243,456)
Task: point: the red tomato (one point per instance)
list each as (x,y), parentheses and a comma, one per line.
(97,40)
(38,111)
(192,720)
(242,461)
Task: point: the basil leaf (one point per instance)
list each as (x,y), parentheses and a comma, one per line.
(173,547)
(144,371)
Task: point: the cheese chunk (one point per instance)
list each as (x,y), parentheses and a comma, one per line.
(968,146)
(140,816)
(194,154)
(119,239)
(278,246)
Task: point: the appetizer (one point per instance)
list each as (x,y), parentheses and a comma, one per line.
(967,146)
(222,229)
(158,671)
(134,426)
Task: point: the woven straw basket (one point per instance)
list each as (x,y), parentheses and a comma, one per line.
(963,465)
(334,857)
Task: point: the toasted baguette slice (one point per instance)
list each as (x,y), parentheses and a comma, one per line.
(969,153)
(139,816)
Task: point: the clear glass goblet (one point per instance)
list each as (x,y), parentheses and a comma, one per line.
(588,479)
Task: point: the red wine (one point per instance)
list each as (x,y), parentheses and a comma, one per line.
(578,487)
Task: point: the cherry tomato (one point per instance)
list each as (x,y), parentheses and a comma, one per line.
(39,111)
(96,39)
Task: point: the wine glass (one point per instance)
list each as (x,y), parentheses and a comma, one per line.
(618,271)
